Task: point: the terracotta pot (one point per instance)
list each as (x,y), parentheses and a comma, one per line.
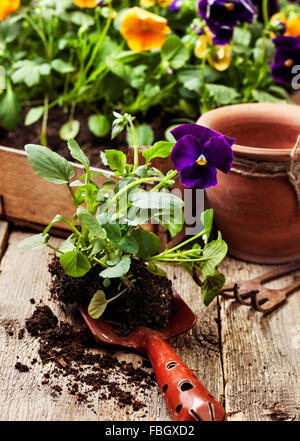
(259,217)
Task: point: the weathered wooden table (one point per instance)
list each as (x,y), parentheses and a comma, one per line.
(249,361)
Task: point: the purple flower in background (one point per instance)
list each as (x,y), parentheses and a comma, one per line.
(287,55)
(222,16)
(197,30)
(175,6)
(198,153)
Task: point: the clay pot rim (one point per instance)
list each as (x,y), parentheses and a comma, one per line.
(272,110)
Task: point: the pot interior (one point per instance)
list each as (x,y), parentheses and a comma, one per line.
(268,126)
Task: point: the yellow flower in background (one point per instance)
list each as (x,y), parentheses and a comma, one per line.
(219,56)
(143,30)
(220,59)
(7,7)
(86,3)
(150,3)
(292,24)
(201,46)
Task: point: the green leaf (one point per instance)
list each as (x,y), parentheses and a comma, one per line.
(161,149)
(77,153)
(118,270)
(75,263)
(207,220)
(174,52)
(211,286)
(155,200)
(144,135)
(34,242)
(57,218)
(174,222)
(29,72)
(67,245)
(97,305)
(10,109)
(69,130)
(62,66)
(112,229)
(128,244)
(91,223)
(33,115)
(149,243)
(154,269)
(222,94)
(213,253)
(116,160)
(99,125)
(49,165)
(81,19)
(264,97)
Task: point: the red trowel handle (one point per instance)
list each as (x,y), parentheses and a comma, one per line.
(186,397)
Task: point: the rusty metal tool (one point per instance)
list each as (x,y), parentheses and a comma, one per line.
(253,293)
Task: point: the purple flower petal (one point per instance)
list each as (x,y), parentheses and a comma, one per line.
(200,132)
(222,16)
(200,176)
(186,151)
(218,152)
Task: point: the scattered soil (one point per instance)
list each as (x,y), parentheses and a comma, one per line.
(149,303)
(21,367)
(73,354)
(22,135)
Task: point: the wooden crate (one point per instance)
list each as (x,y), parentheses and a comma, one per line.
(30,201)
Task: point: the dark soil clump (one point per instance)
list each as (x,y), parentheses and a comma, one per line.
(149,303)
(21,367)
(71,354)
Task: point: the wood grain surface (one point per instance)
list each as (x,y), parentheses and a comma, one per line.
(250,362)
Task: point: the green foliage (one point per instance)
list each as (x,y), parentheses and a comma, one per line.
(69,57)
(108,226)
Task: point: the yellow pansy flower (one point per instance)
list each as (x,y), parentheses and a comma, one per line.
(86,3)
(143,30)
(7,7)
(219,58)
(292,24)
(150,3)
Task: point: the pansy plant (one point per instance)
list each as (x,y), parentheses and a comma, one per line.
(107,228)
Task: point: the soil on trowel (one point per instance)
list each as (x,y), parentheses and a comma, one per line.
(72,353)
(149,303)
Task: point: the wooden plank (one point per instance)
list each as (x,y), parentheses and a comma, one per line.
(261,353)
(4,230)
(22,398)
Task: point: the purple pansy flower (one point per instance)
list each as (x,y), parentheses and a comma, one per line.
(175,6)
(198,153)
(287,55)
(222,16)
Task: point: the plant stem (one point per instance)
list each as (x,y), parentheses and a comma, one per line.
(129,186)
(45,122)
(135,146)
(54,249)
(158,186)
(265,12)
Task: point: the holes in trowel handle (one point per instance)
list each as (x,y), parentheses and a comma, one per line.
(171,364)
(185,385)
(165,388)
(178,409)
